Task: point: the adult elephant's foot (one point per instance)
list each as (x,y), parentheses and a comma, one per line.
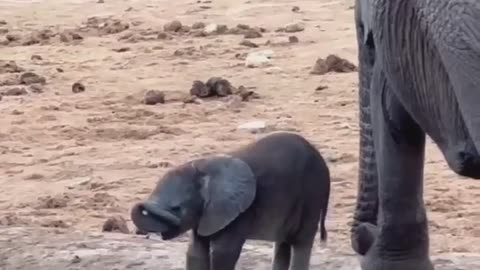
(379,254)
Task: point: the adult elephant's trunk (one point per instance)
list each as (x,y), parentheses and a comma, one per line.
(367,198)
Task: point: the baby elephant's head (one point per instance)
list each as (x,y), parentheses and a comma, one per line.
(204,194)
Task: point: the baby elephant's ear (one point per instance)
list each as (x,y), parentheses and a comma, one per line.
(228,189)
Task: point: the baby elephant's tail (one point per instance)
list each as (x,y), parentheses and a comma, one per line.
(323,231)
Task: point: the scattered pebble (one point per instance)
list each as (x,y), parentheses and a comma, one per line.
(198,25)
(36,88)
(249,43)
(34,176)
(295,8)
(213,28)
(173,26)
(253,127)
(258,59)
(252,34)
(122,49)
(69,36)
(101,1)
(153,97)
(15,91)
(219,86)
(293,39)
(273,70)
(75,260)
(321,87)
(36,57)
(31,78)
(60,69)
(78,87)
(115,224)
(332,63)
(163,36)
(199,89)
(246,94)
(294,27)
(3,22)
(13,37)
(10,67)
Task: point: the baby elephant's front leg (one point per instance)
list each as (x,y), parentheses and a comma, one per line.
(198,257)
(225,252)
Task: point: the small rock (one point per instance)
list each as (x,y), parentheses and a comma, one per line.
(253,127)
(332,63)
(31,78)
(10,67)
(252,34)
(173,26)
(13,37)
(68,36)
(36,57)
(198,25)
(100,1)
(191,100)
(321,87)
(243,26)
(34,176)
(246,94)
(3,22)
(249,43)
(15,91)
(273,70)
(153,97)
(293,39)
(294,27)
(36,88)
(163,35)
(199,89)
(295,8)
(222,29)
(213,28)
(78,87)
(1,97)
(116,224)
(219,86)
(122,49)
(210,28)
(59,69)
(258,59)
(75,260)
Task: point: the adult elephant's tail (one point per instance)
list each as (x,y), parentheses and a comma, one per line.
(367,197)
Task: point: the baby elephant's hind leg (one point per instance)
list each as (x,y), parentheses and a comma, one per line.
(301,255)
(281,256)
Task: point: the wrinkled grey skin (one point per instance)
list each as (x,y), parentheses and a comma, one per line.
(419,75)
(275,189)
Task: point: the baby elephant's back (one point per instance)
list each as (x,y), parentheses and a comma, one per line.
(292,180)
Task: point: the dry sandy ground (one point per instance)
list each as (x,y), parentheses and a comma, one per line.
(71,160)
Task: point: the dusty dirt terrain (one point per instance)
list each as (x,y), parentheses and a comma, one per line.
(71,157)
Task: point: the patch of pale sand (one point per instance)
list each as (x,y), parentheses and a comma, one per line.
(102,150)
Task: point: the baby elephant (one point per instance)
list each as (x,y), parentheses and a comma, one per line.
(275,189)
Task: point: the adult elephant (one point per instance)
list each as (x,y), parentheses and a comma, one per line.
(419,71)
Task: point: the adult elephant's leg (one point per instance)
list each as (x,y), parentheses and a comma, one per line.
(401,238)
